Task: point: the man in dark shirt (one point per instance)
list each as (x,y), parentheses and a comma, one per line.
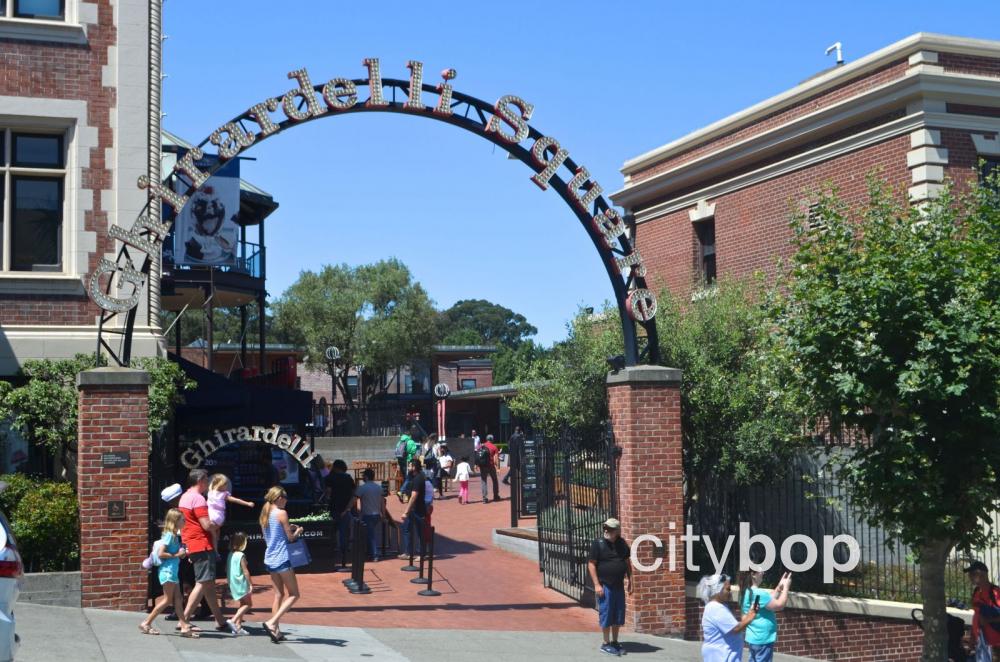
(612,576)
(339,489)
(514,453)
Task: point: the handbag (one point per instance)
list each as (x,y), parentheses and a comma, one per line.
(298,554)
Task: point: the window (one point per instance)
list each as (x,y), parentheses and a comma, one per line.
(705,232)
(468,383)
(989,167)
(53,10)
(33,172)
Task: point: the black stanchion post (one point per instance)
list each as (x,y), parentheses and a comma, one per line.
(429,591)
(409,567)
(385,534)
(351,582)
(420,579)
(359,586)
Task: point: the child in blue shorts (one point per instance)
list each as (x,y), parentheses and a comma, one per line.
(170,554)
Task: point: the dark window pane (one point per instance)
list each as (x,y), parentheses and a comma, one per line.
(37,151)
(36,214)
(3,134)
(990,167)
(39,8)
(706,244)
(468,383)
(3,7)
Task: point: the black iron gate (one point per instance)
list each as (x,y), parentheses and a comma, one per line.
(577,491)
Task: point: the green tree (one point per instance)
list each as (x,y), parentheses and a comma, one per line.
(492,323)
(565,388)
(891,317)
(44,408)
(226,326)
(375,314)
(511,364)
(734,413)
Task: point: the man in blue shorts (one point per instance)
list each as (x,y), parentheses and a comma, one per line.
(612,576)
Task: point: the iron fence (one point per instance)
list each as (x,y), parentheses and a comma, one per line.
(372,420)
(810,501)
(577,491)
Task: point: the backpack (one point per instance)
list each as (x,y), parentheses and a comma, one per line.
(401,446)
(482,456)
(430,460)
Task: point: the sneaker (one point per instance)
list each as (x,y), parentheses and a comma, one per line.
(618,647)
(232,627)
(241,631)
(609,649)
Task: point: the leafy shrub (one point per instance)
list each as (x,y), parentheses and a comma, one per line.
(46,523)
(17,486)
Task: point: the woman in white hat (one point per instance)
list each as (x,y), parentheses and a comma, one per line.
(721,632)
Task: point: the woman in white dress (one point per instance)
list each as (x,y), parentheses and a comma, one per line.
(721,632)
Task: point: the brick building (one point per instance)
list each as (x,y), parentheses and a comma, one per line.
(718,201)
(75,124)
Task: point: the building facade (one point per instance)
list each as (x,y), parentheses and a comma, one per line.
(718,201)
(77,112)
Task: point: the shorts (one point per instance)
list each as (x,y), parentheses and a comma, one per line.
(761,652)
(611,609)
(281,567)
(204,566)
(216,517)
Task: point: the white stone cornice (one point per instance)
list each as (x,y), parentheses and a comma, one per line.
(917,91)
(901,50)
(702,211)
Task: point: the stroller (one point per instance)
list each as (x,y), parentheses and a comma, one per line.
(956,632)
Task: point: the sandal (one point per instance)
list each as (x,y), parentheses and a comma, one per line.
(194,628)
(147,629)
(190,633)
(275,638)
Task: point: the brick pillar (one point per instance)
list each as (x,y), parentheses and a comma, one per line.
(645,407)
(113,432)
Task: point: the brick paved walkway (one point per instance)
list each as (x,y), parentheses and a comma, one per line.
(482,587)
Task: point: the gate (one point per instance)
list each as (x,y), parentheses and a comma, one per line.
(577,491)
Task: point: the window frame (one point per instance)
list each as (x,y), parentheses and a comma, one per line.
(463,383)
(706,251)
(8,172)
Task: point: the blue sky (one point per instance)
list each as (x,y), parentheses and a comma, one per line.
(609,80)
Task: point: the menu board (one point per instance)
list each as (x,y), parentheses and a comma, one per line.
(250,467)
(529,478)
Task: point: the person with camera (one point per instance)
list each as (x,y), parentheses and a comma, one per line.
(763,630)
(722,634)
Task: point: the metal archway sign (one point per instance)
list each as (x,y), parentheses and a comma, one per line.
(504,123)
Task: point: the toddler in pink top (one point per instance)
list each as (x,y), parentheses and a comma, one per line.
(219,494)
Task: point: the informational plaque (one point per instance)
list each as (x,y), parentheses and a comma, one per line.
(116,510)
(116,460)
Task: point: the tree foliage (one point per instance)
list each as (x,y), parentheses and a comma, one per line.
(512,364)
(375,314)
(565,387)
(44,408)
(734,411)
(491,323)
(891,317)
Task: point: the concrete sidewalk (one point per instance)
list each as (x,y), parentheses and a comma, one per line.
(86,635)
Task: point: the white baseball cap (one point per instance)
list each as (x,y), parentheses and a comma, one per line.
(171,492)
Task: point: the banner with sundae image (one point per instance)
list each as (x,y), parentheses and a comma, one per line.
(206,232)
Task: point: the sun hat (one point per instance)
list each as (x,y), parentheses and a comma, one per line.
(612,523)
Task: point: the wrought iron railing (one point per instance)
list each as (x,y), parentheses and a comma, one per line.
(371,420)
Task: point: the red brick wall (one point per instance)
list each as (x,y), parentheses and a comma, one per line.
(833,637)
(482,374)
(846,90)
(970,64)
(113,418)
(751,224)
(65,71)
(647,425)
